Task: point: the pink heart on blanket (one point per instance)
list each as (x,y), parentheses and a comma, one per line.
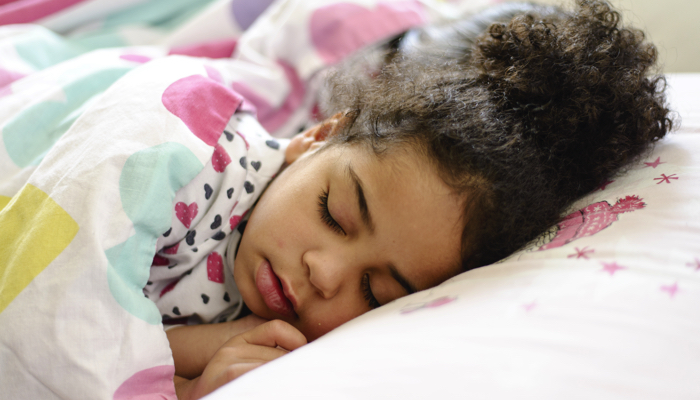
(6,91)
(214,74)
(213,49)
(149,384)
(7,77)
(137,58)
(340,29)
(203,104)
(215,268)
(186,213)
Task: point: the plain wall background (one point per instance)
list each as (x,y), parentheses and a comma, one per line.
(672,25)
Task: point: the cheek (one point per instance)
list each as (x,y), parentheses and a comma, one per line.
(289,222)
(314,330)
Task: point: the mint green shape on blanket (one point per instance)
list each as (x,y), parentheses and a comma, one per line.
(156,13)
(35,129)
(42,48)
(159,16)
(147,188)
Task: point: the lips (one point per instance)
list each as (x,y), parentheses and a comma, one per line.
(270,288)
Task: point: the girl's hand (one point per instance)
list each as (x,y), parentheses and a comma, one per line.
(241,354)
(194,346)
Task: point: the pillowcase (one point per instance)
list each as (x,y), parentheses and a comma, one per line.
(605,308)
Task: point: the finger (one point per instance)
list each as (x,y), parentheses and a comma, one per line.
(201,386)
(234,371)
(232,353)
(274,333)
(245,324)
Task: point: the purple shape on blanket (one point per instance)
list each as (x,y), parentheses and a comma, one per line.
(339,29)
(272,118)
(135,58)
(150,384)
(203,104)
(245,12)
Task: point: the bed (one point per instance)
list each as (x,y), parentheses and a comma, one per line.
(608,310)
(604,306)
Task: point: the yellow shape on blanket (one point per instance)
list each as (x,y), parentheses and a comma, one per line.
(3,201)
(34,231)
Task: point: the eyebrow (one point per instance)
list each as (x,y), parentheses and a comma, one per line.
(361,200)
(410,288)
(367,220)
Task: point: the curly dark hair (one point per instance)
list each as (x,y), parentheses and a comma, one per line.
(522,110)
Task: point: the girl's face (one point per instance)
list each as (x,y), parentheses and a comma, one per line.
(340,232)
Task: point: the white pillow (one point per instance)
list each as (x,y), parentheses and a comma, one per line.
(610,315)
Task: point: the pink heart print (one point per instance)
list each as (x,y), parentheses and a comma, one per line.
(236,219)
(171,249)
(160,261)
(247,145)
(220,159)
(233,222)
(340,29)
(215,268)
(170,286)
(186,213)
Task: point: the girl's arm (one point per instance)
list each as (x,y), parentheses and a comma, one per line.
(239,355)
(193,346)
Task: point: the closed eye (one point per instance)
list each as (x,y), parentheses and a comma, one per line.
(325,214)
(367,292)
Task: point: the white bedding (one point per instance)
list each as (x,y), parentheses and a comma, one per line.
(612,312)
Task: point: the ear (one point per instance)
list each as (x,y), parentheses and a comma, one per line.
(313,138)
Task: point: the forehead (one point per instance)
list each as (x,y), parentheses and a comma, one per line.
(418,217)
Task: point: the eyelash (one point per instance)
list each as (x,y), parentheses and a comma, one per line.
(367,292)
(326,216)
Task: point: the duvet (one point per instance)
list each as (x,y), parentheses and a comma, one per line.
(117,139)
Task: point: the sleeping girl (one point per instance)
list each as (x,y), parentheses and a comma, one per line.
(160,198)
(468,144)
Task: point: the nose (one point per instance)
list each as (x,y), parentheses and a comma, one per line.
(327,272)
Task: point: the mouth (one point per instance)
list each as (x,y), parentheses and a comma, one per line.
(271,289)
